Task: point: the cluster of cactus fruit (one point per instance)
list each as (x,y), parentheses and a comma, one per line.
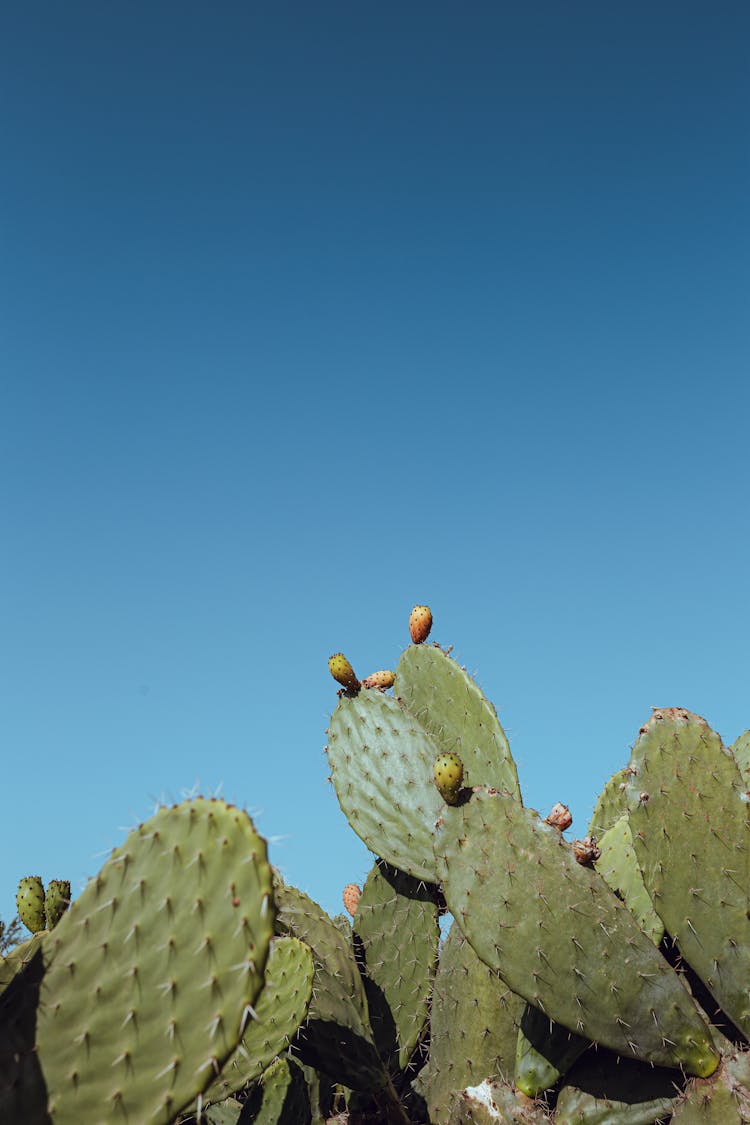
(488,971)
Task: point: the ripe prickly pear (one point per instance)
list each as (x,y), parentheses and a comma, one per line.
(342,672)
(420,623)
(30,903)
(449,777)
(56,901)
(559,817)
(586,851)
(380,680)
(351,897)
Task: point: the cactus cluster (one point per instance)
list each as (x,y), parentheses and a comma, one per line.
(488,970)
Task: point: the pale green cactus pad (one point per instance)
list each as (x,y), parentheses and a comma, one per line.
(690,820)
(451,707)
(137,997)
(556,933)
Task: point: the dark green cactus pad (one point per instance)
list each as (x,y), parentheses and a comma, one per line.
(544,1052)
(619,868)
(741,752)
(279,1011)
(604,1089)
(689,819)
(30,903)
(336,1036)
(490,1103)
(56,901)
(473,1026)
(452,709)
(137,996)
(560,938)
(611,805)
(397,933)
(381,765)
(280,1098)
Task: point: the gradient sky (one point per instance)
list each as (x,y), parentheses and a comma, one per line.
(312,312)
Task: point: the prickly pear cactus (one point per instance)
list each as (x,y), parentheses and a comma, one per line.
(134,1001)
(690,821)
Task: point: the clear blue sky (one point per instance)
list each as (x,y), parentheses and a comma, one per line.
(312,312)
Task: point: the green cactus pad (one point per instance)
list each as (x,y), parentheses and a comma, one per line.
(722,1100)
(56,901)
(741,752)
(689,819)
(30,903)
(452,709)
(279,1010)
(603,1089)
(396,925)
(473,1026)
(223,1113)
(280,1098)
(544,1052)
(619,868)
(560,938)
(143,986)
(336,1036)
(496,1103)
(611,805)
(381,765)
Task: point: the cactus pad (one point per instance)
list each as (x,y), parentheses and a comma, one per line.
(145,982)
(691,833)
(557,935)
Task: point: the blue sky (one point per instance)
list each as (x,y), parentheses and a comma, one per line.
(312,312)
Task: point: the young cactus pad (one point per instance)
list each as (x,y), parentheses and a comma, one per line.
(148,978)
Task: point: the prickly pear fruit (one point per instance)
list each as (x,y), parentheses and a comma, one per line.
(30,903)
(420,623)
(56,901)
(449,777)
(343,673)
(586,851)
(380,680)
(559,817)
(351,897)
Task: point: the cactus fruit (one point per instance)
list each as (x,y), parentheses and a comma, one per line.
(56,901)
(448,771)
(30,903)
(380,681)
(586,851)
(351,896)
(343,673)
(420,623)
(559,817)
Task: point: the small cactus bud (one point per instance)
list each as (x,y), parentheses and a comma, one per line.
(351,897)
(420,623)
(448,772)
(586,851)
(559,817)
(30,903)
(56,901)
(381,681)
(342,672)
